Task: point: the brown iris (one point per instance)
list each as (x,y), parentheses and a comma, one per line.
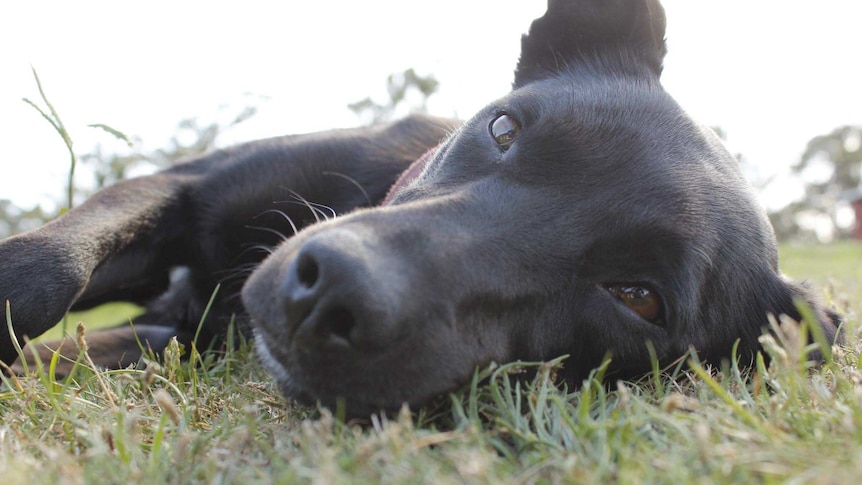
(640,298)
(504,129)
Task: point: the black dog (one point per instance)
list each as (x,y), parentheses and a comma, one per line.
(582,214)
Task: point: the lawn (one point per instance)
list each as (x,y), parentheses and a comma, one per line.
(839,263)
(220,420)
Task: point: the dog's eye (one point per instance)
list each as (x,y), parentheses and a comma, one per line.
(504,129)
(640,299)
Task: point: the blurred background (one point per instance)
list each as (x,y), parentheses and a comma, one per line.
(778,80)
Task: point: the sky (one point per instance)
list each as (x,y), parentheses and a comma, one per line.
(772,74)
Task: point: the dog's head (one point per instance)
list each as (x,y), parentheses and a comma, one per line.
(582,214)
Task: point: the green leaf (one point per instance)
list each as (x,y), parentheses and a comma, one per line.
(117,133)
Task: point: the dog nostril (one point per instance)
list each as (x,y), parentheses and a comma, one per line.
(340,322)
(307,271)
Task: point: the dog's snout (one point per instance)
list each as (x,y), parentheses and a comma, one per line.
(331,297)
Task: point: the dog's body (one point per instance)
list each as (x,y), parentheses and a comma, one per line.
(583,214)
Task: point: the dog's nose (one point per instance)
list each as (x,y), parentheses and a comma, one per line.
(336,293)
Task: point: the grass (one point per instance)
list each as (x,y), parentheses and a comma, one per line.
(218,419)
(107,315)
(840,262)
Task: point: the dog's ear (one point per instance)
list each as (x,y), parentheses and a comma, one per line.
(626,35)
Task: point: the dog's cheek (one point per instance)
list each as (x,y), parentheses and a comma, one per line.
(592,328)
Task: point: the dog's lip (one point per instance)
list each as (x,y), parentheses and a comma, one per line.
(312,379)
(271,363)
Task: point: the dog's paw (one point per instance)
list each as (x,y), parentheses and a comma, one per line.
(40,278)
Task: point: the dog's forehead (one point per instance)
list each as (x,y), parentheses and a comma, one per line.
(622,144)
(579,103)
(622,121)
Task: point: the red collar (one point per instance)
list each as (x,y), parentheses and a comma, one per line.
(409,175)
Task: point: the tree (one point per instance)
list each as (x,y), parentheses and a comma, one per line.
(840,152)
(830,168)
(785,223)
(398,86)
(14,219)
(191,137)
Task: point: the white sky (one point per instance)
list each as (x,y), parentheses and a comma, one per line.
(772,73)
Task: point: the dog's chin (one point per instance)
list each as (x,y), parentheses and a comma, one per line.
(286,384)
(353,406)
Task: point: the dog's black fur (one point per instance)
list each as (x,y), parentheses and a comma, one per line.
(505,247)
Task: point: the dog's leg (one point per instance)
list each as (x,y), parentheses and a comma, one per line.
(175,313)
(206,215)
(44,271)
(110,348)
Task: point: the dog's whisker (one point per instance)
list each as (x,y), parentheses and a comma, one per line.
(239,270)
(352,181)
(315,208)
(260,247)
(321,209)
(248,266)
(330,209)
(242,270)
(247,250)
(314,211)
(282,214)
(271,231)
(234,277)
(302,200)
(315,205)
(318,209)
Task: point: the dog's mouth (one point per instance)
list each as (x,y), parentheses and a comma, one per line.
(283,379)
(363,384)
